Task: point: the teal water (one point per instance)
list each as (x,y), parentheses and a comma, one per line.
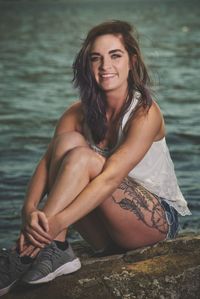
(38,42)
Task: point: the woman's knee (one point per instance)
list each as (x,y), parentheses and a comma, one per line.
(67,141)
(84,158)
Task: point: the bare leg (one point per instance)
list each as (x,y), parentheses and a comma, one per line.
(77,168)
(72,166)
(133,217)
(93,231)
(61,146)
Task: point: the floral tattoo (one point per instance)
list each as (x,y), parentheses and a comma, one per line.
(140,202)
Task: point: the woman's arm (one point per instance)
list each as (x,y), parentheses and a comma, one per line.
(33,220)
(142,132)
(37,187)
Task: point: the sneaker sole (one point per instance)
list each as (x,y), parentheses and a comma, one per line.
(67,268)
(7,289)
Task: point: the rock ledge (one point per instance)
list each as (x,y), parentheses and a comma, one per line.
(169,269)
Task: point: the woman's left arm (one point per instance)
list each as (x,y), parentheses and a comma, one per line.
(143,130)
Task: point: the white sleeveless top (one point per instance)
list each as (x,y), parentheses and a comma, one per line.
(156,170)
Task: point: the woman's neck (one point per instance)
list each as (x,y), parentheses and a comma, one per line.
(115,102)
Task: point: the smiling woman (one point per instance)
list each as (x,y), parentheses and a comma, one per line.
(107,170)
(86,71)
(110,65)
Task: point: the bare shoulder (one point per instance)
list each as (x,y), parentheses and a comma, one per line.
(145,114)
(71,120)
(74,110)
(156,109)
(148,120)
(153,111)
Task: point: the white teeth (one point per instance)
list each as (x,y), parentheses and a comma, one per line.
(107,75)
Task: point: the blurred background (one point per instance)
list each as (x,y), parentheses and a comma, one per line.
(38,43)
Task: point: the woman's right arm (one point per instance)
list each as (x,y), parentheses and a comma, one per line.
(37,188)
(70,121)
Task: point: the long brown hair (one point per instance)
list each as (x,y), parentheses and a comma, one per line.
(92,97)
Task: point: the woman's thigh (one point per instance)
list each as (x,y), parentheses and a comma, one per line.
(133,216)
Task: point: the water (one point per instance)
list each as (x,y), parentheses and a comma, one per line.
(38,42)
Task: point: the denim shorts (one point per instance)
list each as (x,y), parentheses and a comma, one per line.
(172,219)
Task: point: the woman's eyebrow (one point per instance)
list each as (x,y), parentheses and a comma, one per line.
(116,50)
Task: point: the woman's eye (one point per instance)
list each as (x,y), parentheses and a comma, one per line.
(94,58)
(115,56)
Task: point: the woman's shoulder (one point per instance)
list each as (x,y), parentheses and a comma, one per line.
(156,107)
(152,113)
(75,109)
(147,119)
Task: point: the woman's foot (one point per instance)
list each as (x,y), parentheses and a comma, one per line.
(52,261)
(12,268)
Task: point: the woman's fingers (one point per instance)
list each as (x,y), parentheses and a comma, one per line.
(35,230)
(36,226)
(33,241)
(31,251)
(27,251)
(35,252)
(37,236)
(21,242)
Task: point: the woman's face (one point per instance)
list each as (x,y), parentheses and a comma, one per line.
(110,63)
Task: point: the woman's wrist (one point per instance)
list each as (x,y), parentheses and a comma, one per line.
(27,209)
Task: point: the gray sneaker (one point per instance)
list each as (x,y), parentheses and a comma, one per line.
(50,263)
(12,267)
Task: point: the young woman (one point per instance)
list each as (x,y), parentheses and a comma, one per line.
(107,170)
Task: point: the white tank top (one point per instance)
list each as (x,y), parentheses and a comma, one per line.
(156,170)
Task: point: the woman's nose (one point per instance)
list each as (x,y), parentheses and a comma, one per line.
(105,64)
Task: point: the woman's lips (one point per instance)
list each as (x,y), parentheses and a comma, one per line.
(107,76)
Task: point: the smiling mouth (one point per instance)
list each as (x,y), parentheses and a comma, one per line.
(107,76)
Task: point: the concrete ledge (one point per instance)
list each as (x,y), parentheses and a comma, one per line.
(169,269)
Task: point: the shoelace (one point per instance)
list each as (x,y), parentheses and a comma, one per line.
(48,253)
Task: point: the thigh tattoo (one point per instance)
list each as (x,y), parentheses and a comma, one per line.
(140,202)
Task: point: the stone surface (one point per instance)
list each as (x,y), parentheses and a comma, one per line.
(169,269)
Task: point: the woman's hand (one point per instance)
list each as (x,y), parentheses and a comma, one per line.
(27,248)
(22,242)
(35,229)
